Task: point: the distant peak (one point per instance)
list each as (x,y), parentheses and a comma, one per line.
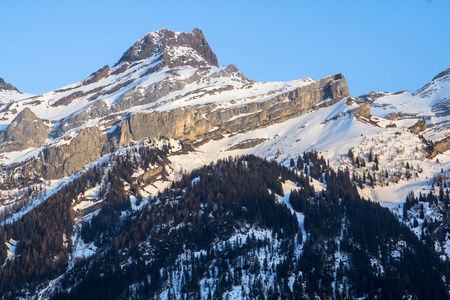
(442,74)
(176,48)
(4,86)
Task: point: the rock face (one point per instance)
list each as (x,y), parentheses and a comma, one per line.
(102,125)
(438,147)
(71,157)
(97,109)
(25,131)
(4,86)
(96,76)
(177,49)
(420,126)
(207,122)
(372,96)
(247,144)
(190,124)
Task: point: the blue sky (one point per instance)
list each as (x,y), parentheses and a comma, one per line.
(377,45)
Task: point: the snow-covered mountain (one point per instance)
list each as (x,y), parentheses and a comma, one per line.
(9,94)
(429,104)
(102,160)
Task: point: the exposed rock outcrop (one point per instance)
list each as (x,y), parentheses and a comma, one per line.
(230,70)
(97,109)
(202,122)
(418,127)
(121,69)
(4,86)
(372,96)
(152,92)
(247,144)
(363,110)
(25,131)
(442,74)
(197,51)
(72,156)
(193,123)
(152,172)
(435,148)
(96,76)
(66,100)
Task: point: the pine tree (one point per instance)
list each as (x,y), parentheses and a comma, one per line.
(351,155)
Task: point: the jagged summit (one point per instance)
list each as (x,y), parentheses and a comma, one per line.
(176,48)
(4,86)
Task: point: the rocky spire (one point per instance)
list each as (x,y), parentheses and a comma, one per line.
(6,86)
(176,49)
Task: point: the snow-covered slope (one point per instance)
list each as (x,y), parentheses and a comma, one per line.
(157,73)
(430,103)
(7,100)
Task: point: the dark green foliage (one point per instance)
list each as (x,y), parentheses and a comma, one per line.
(370,232)
(140,251)
(44,234)
(107,223)
(3,247)
(205,206)
(41,252)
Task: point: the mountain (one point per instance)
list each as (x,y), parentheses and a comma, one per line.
(175,49)
(4,86)
(147,98)
(167,175)
(429,104)
(8,95)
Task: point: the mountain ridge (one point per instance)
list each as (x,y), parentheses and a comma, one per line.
(7,86)
(151,98)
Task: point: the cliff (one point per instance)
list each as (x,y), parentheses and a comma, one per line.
(190,124)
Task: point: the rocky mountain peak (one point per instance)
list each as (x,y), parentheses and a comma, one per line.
(4,86)
(176,48)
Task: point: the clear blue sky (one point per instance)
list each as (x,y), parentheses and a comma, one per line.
(377,45)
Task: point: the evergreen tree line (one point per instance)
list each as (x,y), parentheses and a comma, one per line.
(43,238)
(44,233)
(139,251)
(208,205)
(366,231)
(204,207)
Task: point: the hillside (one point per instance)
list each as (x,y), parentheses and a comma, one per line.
(167,174)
